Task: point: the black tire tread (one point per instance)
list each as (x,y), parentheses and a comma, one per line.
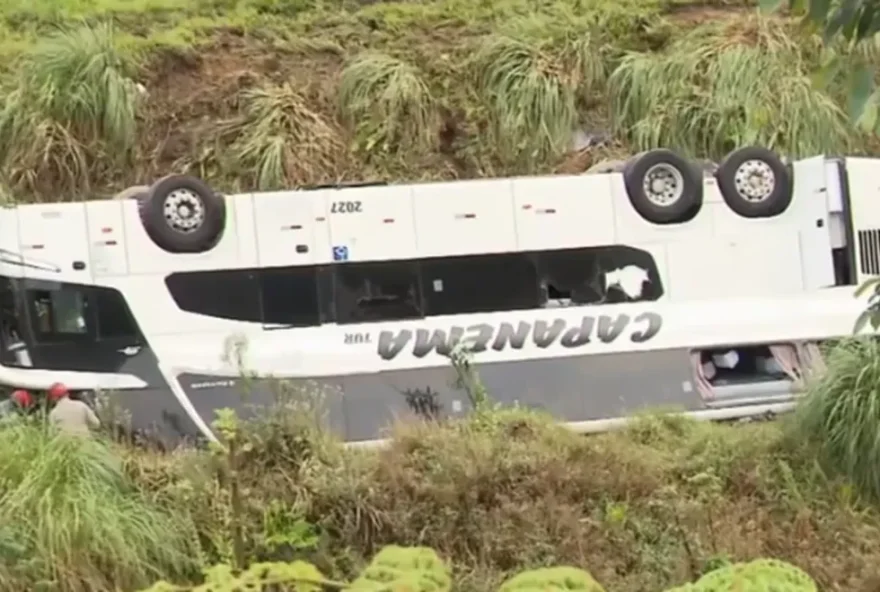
(681,211)
(168,239)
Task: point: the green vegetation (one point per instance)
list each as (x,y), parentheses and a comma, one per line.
(459,505)
(419,569)
(857,22)
(102,94)
(844,413)
(70,514)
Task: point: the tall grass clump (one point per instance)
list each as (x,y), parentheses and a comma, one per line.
(388,104)
(725,86)
(841,414)
(535,77)
(72,520)
(280,141)
(72,111)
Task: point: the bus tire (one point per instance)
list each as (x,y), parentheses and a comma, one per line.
(754,182)
(182,214)
(663,187)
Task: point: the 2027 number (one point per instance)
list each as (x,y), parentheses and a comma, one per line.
(345,207)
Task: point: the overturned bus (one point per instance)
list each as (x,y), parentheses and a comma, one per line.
(657,284)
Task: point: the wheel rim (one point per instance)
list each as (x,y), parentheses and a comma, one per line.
(663,185)
(184,211)
(754,180)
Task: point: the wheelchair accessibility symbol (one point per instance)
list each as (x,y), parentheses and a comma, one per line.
(340,253)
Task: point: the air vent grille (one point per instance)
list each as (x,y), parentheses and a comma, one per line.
(869,252)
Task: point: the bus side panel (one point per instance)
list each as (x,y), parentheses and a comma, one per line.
(365,406)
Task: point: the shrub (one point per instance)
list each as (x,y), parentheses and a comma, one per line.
(280,141)
(419,569)
(296,576)
(410,569)
(762,575)
(552,578)
(415,569)
(842,411)
(535,78)
(388,104)
(71,517)
(73,110)
(725,86)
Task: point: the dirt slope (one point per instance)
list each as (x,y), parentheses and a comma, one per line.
(279,93)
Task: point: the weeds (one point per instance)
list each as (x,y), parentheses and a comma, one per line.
(73,110)
(388,104)
(73,520)
(536,80)
(282,140)
(645,508)
(713,91)
(842,412)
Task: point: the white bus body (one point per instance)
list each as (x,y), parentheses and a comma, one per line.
(571,300)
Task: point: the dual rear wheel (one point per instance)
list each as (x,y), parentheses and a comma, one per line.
(664,188)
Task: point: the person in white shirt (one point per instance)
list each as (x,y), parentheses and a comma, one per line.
(69,415)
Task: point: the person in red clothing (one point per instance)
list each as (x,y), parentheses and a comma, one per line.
(70,415)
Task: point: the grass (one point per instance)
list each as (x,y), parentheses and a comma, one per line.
(281,139)
(73,110)
(536,80)
(843,413)
(388,104)
(72,520)
(740,84)
(276,93)
(644,509)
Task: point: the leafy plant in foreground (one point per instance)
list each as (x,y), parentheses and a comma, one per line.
(297,575)
(871,314)
(415,569)
(73,519)
(761,575)
(552,578)
(842,411)
(856,22)
(419,569)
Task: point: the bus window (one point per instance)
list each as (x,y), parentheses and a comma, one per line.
(225,294)
(483,283)
(13,350)
(289,296)
(386,291)
(114,319)
(58,314)
(9,329)
(598,275)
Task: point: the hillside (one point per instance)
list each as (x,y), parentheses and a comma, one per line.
(102,94)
